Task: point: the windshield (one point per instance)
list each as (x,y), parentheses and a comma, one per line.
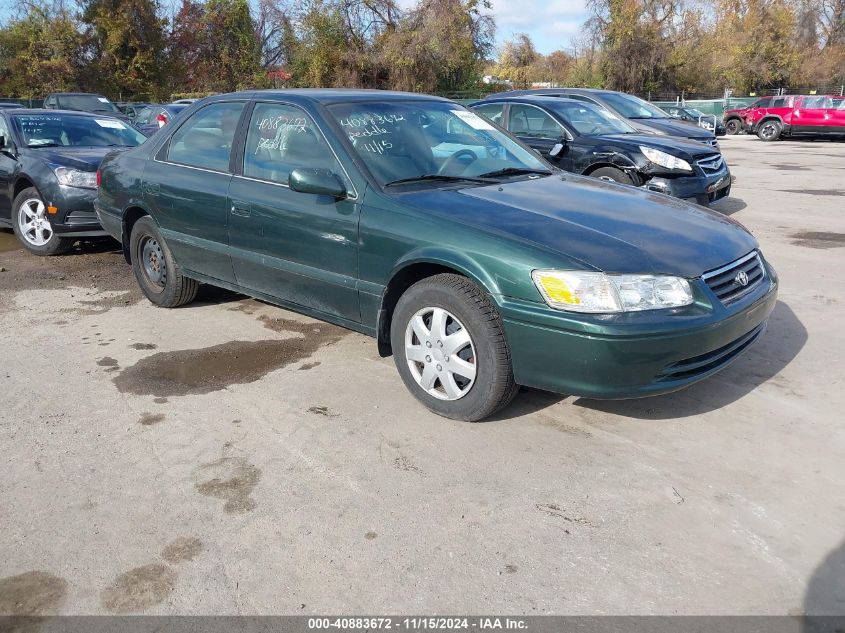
(403,140)
(698,113)
(63,130)
(589,120)
(86,103)
(632,107)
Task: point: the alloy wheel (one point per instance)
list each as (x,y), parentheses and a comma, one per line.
(440,353)
(33,222)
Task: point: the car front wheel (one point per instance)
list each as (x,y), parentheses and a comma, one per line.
(32,225)
(611,174)
(450,349)
(157,272)
(734,126)
(769,131)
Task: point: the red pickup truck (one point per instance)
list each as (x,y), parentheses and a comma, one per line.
(789,116)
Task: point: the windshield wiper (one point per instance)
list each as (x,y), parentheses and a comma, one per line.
(36,145)
(443,177)
(514,171)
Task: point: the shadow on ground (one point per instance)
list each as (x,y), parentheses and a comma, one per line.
(826,588)
(781,343)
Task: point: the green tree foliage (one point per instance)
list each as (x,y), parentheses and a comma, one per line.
(127,40)
(40,51)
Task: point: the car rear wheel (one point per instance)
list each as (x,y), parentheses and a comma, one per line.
(733,126)
(32,225)
(157,272)
(769,130)
(613,175)
(450,349)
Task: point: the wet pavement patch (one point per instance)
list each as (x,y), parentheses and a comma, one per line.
(149,419)
(790,167)
(107,361)
(307,366)
(370,536)
(319,410)
(31,593)
(160,400)
(818,239)
(146,346)
(139,589)
(200,371)
(182,549)
(817,192)
(230,478)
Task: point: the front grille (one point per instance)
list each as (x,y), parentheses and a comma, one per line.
(698,365)
(711,164)
(727,282)
(712,142)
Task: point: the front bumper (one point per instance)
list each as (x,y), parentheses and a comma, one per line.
(703,189)
(634,354)
(76,216)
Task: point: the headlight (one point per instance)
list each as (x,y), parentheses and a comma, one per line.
(665,160)
(580,291)
(76,178)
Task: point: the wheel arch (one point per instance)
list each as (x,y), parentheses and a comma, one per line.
(22,182)
(415,269)
(766,119)
(629,169)
(131,215)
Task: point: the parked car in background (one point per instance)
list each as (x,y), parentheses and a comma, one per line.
(184,101)
(801,116)
(410,218)
(48,164)
(692,115)
(586,139)
(131,110)
(7,105)
(644,116)
(734,118)
(84,102)
(153,117)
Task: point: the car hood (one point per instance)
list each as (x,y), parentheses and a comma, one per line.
(673,127)
(83,158)
(671,145)
(611,227)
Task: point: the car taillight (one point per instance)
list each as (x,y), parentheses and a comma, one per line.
(98,179)
(162,120)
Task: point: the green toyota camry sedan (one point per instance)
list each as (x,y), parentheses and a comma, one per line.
(472,261)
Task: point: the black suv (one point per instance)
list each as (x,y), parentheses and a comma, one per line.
(585,139)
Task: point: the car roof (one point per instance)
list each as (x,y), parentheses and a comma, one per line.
(46,111)
(74,94)
(531,98)
(327,95)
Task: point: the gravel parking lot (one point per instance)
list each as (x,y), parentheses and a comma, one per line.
(232,457)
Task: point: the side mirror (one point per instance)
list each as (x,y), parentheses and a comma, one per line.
(558,148)
(2,142)
(322,182)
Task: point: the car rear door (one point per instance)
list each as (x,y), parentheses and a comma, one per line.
(299,247)
(187,186)
(811,115)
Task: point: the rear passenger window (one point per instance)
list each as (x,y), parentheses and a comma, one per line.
(205,140)
(526,120)
(282,138)
(492,111)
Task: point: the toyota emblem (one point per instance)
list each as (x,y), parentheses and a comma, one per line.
(741,278)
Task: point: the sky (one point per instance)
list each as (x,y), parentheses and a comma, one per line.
(552,24)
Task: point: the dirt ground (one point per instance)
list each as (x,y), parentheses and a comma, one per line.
(231,457)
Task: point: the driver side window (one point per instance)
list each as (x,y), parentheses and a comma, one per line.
(4,132)
(527,120)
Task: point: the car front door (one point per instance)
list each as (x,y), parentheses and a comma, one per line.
(300,248)
(187,186)
(7,170)
(534,127)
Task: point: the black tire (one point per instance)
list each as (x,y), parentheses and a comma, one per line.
(55,245)
(733,126)
(170,289)
(769,130)
(493,386)
(611,173)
